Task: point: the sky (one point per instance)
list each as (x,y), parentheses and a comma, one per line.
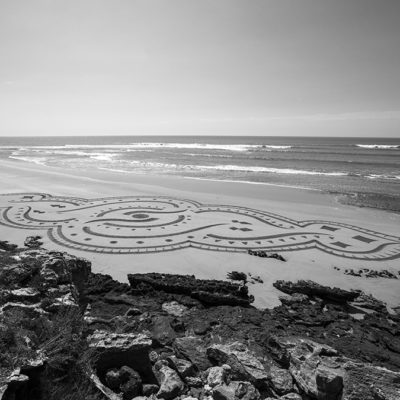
(212,67)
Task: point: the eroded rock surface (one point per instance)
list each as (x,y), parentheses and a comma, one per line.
(311,288)
(209,292)
(171,339)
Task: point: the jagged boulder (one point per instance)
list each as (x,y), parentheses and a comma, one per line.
(280,380)
(33,242)
(62,268)
(162,332)
(244,364)
(368,382)
(5,246)
(295,298)
(315,368)
(170,383)
(183,367)
(193,349)
(16,274)
(322,373)
(236,390)
(366,301)
(311,288)
(218,375)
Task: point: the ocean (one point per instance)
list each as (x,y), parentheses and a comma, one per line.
(343,165)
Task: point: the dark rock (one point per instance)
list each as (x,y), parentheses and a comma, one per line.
(218,375)
(320,372)
(235,391)
(311,288)
(264,254)
(237,276)
(4,245)
(131,383)
(16,274)
(369,302)
(33,242)
(194,381)
(118,299)
(244,364)
(112,379)
(161,331)
(201,327)
(280,380)
(295,298)
(315,368)
(113,350)
(170,384)
(131,312)
(183,367)
(193,349)
(367,382)
(149,389)
(211,292)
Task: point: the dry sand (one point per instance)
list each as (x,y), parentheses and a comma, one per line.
(292,203)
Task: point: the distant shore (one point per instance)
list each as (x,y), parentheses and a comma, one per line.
(298,204)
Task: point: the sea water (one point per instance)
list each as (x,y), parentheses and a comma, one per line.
(345,165)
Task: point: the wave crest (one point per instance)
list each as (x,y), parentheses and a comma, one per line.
(379,146)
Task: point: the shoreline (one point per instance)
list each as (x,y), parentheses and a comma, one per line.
(297,204)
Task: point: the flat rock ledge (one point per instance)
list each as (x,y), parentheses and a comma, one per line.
(314,289)
(209,292)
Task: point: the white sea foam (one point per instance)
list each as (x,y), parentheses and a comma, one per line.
(238,168)
(379,146)
(36,160)
(102,156)
(252,183)
(382,176)
(271,170)
(160,145)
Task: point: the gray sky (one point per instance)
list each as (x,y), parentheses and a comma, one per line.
(250,67)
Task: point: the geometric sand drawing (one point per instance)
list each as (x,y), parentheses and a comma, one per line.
(149,224)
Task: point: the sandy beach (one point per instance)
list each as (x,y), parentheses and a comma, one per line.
(200,227)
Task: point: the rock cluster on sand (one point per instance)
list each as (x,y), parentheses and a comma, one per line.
(264,254)
(313,289)
(370,273)
(65,331)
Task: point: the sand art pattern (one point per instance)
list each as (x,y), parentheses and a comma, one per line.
(146,224)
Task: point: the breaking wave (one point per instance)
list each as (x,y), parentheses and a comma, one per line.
(379,146)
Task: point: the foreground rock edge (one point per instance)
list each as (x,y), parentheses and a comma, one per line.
(212,364)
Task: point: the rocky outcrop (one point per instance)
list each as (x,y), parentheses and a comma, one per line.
(113,350)
(369,302)
(116,341)
(210,292)
(314,289)
(243,363)
(320,372)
